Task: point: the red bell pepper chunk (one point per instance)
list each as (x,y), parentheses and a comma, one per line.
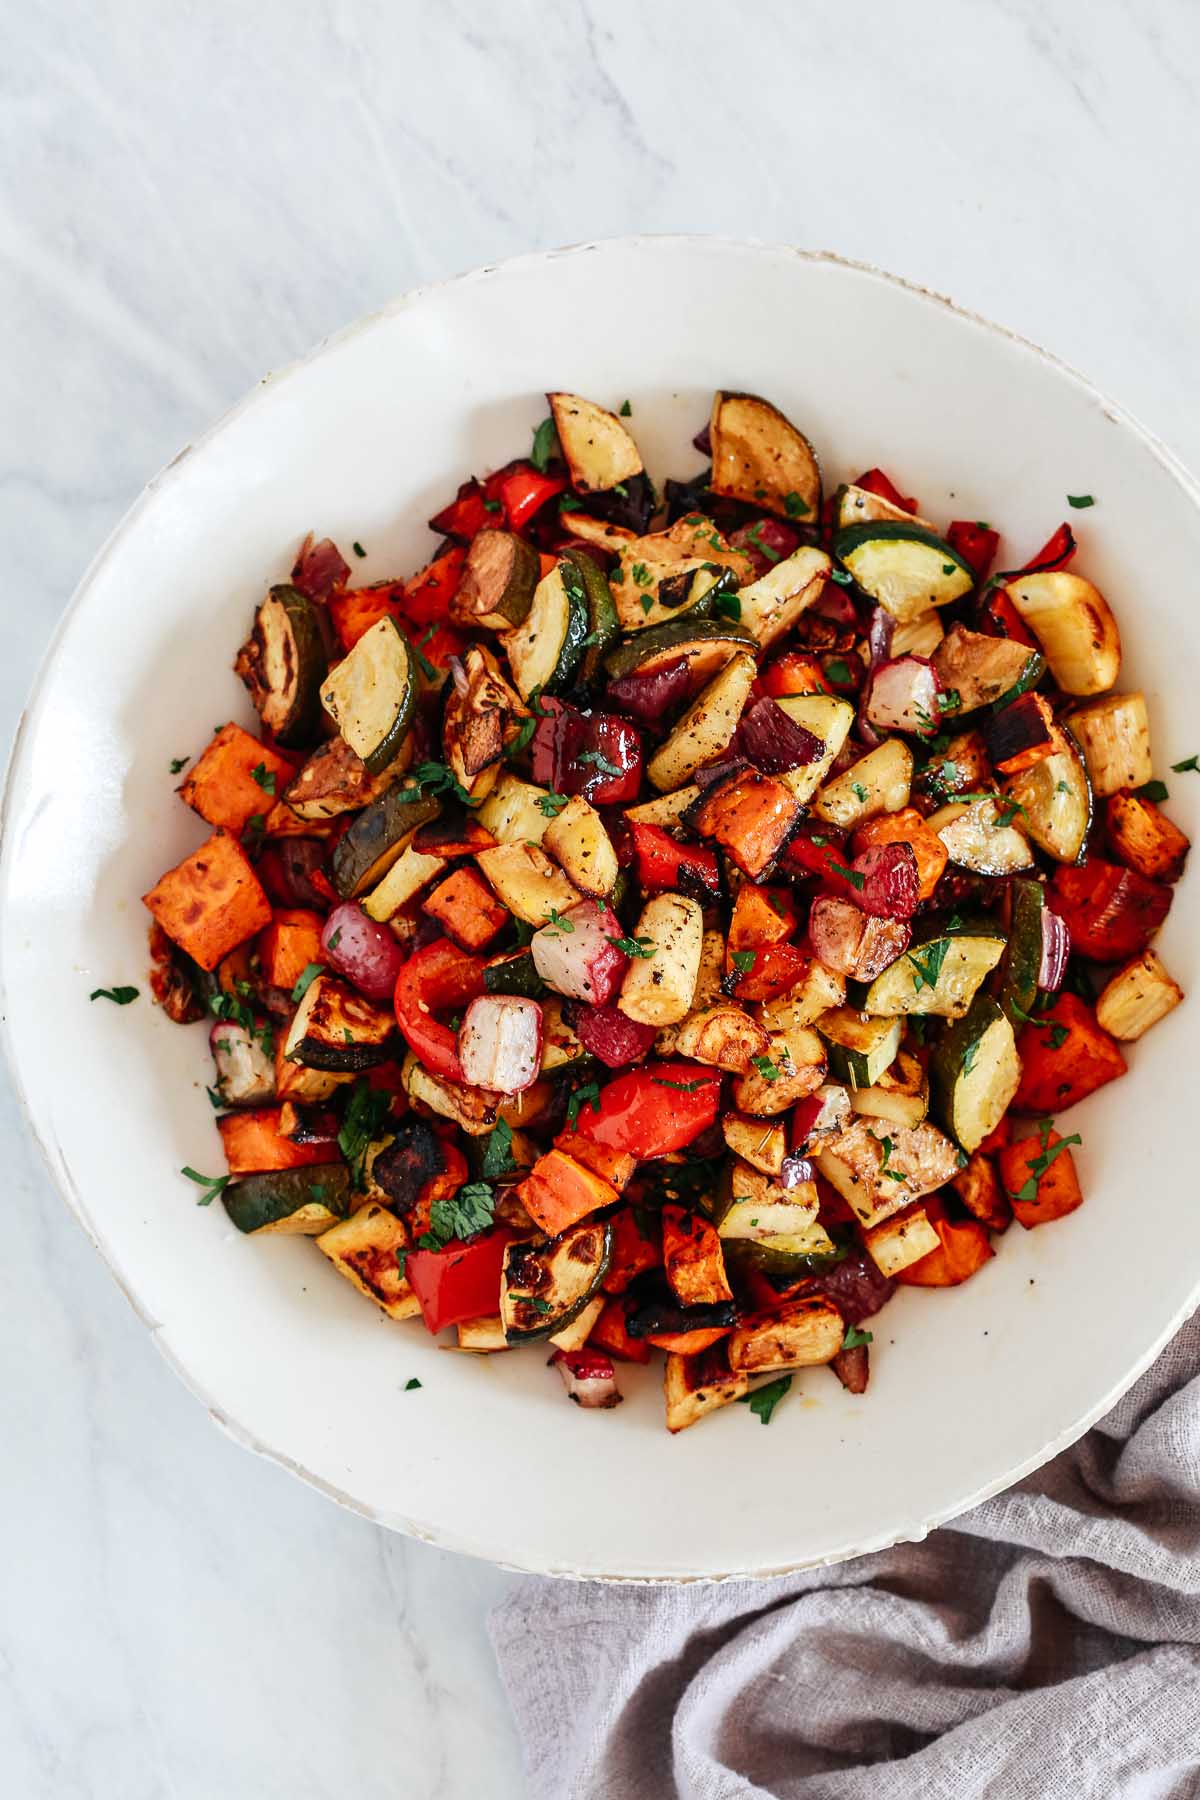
(1055,553)
(998,617)
(792,673)
(975,543)
(596,755)
(460,1282)
(466,514)
(830,859)
(428,595)
(438,976)
(876,482)
(650,1112)
(525,491)
(1111,912)
(774,970)
(664,865)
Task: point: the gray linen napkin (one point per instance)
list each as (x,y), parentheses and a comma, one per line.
(1047,1644)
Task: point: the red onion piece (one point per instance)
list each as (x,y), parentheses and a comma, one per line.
(879,636)
(795,1170)
(728,763)
(904,694)
(774,742)
(589,1377)
(649,697)
(606,1033)
(367,954)
(320,568)
(836,605)
(703,439)
(1056,948)
(766,542)
(891,886)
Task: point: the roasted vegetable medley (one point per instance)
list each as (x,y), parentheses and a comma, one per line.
(666,923)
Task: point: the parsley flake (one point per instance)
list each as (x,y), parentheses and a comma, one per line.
(212,1184)
(410,1384)
(854,1337)
(177,763)
(306,979)
(120,996)
(1189,763)
(743,960)
(1078,501)
(763,1401)
(633,946)
(625,410)
(497,1156)
(471,1209)
(928,963)
(365,1112)
(588,1095)
(795,507)
(545,443)
(599,762)
(766,1068)
(1153,790)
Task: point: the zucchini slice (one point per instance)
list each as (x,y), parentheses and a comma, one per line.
(772,604)
(1056,801)
(664,573)
(514,973)
(366,851)
(597,449)
(1072,622)
(826,717)
(527,882)
(900,1096)
(861,1049)
(334,781)
(283,664)
(708,645)
(879,782)
(544,1285)
(859,506)
(412,870)
(498,580)
(981,835)
(706,727)
(1114,735)
(751,1209)
(604,627)
(939,973)
(758,456)
(1022,959)
(982,669)
(905,569)
(976,1072)
(545,650)
(372,694)
(289,1202)
(335,1029)
(363,1249)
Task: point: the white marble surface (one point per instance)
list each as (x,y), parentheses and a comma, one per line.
(194,193)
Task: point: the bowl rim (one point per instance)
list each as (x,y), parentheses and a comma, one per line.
(682,243)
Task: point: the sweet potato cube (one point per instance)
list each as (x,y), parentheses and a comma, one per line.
(210,902)
(1144,839)
(906,827)
(750,815)
(558,1191)
(963,1248)
(978,1187)
(609,1333)
(1040,1177)
(693,1258)
(613,1166)
(235,780)
(289,944)
(689,1343)
(466,909)
(1065,1055)
(355,611)
(253,1142)
(635,1248)
(761,915)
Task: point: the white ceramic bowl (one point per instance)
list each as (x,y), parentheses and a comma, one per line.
(970,1388)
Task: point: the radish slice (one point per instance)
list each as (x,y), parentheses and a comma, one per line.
(576,955)
(1056,947)
(606,1033)
(819,1114)
(891,884)
(367,954)
(774,742)
(851,942)
(500,1044)
(589,1377)
(904,695)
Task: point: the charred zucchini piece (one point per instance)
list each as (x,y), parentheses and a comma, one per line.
(905,569)
(665,573)
(1022,959)
(545,650)
(939,973)
(604,627)
(859,506)
(879,782)
(982,669)
(771,605)
(1072,622)
(363,1249)
(544,1285)
(289,1202)
(1055,797)
(498,580)
(878,1169)
(335,1029)
(597,449)
(983,835)
(1137,997)
(283,664)
(708,644)
(367,850)
(372,694)
(334,781)
(900,1096)
(827,718)
(861,1049)
(1020,734)
(514,974)
(759,456)
(976,1072)
(707,726)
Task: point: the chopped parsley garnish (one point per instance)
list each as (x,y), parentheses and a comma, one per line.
(535,1302)
(684,1087)
(366,1110)
(357,548)
(120,996)
(588,1095)
(951,700)
(764,1400)
(1058,1036)
(968,1061)
(229,1006)
(305,980)
(335,938)
(1006,807)
(491,506)
(1189,763)
(545,443)
(1153,790)
(599,762)
(838,670)
(1078,501)
(1064,787)
(854,1337)
(755,537)
(402,1259)
(853,876)
(1037,1168)
(743,960)
(795,507)
(641,575)
(253,830)
(410,1384)
(728,606)
(177,763)
(435,778)
(860,793)
(633,946)
(212,1185)
(214,1099)
(646,602)
(551,804)
(472,1209)
(556,923)
(928,963)
(766,1068)
(884,1169)
(497,1156)
(841,577)
(949,568)
(625,410)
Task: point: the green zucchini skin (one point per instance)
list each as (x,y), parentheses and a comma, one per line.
(974,1072)
(389,746)
(515,975)
(366,852)
(604,627)
(571,1280)
(268,1201)
(934,578)
(1022,959)
(902,989)
(286,637)
(673,638)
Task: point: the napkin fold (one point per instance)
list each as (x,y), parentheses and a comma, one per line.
(1045,1645)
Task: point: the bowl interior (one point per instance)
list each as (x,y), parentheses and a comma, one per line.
(970,1388)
